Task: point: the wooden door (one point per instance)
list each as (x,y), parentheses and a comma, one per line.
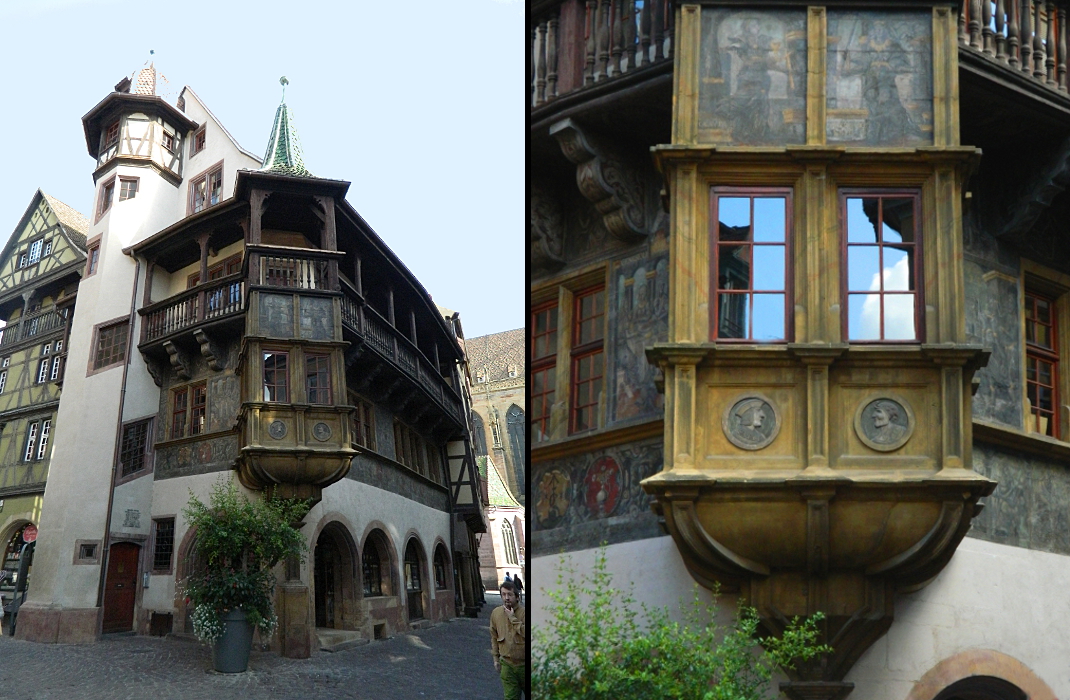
(413,586)
(120,587)
(324,581)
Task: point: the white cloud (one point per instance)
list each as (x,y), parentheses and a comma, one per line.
(898,316)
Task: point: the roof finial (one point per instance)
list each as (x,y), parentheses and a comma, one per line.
(284,82)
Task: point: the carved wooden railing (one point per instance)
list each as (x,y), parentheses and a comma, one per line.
(1029,36)
(202,303)
(577,43)
(398,349)
(34,324)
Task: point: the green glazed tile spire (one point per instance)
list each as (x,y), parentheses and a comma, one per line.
(283,155)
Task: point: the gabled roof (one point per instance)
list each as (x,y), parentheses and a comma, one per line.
(283,154)
(218,123)
(73,223)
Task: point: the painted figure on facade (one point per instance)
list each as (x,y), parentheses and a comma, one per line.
(641,319)
(553,497)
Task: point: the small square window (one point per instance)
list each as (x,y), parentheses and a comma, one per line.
(111,345)
(107,194)
(127,188)
(168,141)
(87,551)
(111,135)
(6,361)
(199,141)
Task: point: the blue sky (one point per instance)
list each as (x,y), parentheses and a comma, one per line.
(420,105)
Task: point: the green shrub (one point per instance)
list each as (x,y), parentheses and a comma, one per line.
(595,647)
(239,541)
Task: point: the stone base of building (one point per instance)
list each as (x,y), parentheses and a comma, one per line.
(49,624)
(295,628)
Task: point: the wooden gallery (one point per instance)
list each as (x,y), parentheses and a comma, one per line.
(219,316)
(800,324)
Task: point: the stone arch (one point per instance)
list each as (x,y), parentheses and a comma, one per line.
(377,535)
(479,436)
(187,560)
(512,554)
(974,666)
(517,429)
(441,557)
(415,578)
(335,582)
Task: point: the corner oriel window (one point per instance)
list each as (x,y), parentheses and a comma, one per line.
(179,410)
(749,241)
(318,378)
(276,378)
(1042,365)
(588,332)
(882,267)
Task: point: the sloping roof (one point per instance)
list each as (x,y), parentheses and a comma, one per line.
(496,352)
(74,221)
(283,154)
(218,123)
(497,492)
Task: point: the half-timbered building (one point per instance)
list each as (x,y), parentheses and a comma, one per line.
(799,324)
(242,321)
(39,271)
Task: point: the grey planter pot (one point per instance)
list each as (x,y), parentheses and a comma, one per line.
(231,651)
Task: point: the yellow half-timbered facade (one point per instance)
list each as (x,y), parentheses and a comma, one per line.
(39,272)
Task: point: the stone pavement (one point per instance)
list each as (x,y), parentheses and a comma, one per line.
(444,662)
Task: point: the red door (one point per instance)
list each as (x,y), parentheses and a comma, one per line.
(120,588)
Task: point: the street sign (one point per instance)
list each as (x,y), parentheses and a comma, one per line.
(29,534)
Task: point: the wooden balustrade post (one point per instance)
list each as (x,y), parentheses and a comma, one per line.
(670,22)
(1049,63)
(539,59)
(644,34)
(964,9)
(1062,48)
(616,18)
(659,29)
(356,275)
(1001,24)
(202,307)
(602,40)
(975,24)
(589,34)
(629,32)
(1027,36)
(1038,42)
(1012,33)
(986,28)
(551,58)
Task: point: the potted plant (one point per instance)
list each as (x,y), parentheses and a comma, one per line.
(238,541)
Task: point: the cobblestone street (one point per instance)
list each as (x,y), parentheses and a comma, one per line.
(450,660)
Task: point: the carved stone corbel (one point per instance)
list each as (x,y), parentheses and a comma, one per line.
(547,232)
(155,371)
(606,179)
(209,350)
(1037,196)
(179,360)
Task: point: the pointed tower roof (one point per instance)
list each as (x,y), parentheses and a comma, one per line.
(283,155)
(498,493)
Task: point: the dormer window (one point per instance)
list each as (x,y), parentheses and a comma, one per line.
(111,135)
(513,371)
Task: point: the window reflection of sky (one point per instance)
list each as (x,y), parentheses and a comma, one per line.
(767,272)
(865,273)
(864,312)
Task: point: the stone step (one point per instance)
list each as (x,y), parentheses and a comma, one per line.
(421,624)
(332,640)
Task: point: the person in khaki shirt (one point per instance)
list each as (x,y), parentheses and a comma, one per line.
(508,641)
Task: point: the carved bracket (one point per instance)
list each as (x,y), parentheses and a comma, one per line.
(155,371)
(1037,196)
(606,179)
(208,349)
(179,360)
(547,231)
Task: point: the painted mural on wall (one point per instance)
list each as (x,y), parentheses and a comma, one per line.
(752,78)
(880,86)
(993,321)
(583,500)
(639,317)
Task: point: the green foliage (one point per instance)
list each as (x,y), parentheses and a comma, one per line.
(595,648)
(239,541)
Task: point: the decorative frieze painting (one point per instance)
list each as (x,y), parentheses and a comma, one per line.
(752,77)
(880,84)
(639,317)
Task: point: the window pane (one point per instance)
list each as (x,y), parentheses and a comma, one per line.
(898,272)
(899,317)
(768,267)
(1044,373)
(863,268)
(768,317)
(769,219)
(732,312)
(733,267)
(1031,370)
(860,227)
(864,317)
(898,215)
(734,212)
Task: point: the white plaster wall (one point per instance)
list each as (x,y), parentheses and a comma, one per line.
(133,495)
(990,596)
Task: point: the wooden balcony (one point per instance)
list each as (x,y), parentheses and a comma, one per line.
(35,324)
(205,303)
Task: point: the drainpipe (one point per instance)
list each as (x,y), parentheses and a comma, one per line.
(106,546)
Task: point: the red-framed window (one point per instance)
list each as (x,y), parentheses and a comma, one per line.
(206,189)
(199,141)
(179,412)
(111,134)
(318,378)
(127,188)
(111,344)
(750,242)
(363,422)
(882,266)
(587,358)
(276,377)
(1042,364)
(107,195)
(543,368)
(198,408)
